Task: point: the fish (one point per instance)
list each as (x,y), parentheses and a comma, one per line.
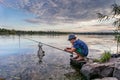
(40,53)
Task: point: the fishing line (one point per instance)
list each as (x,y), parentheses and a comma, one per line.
(45,44)
(38,41)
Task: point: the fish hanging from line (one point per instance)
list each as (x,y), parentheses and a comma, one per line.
(40,53)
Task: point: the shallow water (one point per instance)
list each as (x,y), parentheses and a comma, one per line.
(19,60)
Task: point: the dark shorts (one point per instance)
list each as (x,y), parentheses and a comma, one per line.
(79,51)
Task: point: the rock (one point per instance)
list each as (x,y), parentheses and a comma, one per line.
(2,78)
(116,72)
(97,70)
(93,70)
(106,71)
(107,78)
(115,55)
(77,64)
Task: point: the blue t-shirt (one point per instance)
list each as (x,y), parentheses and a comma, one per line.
(81,47)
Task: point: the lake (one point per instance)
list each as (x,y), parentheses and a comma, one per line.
(19,60)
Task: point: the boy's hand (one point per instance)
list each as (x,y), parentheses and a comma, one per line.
(65,49)
(68,48)
(71,50)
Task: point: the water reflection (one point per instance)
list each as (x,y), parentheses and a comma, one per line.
(19,40)
(77,76)
(18,57)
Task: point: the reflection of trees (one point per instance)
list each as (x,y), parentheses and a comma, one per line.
(40,53)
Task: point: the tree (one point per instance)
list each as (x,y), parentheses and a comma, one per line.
(115,16)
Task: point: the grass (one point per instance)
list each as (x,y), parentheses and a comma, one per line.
(104,57)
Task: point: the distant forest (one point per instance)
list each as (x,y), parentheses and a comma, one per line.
(19,32)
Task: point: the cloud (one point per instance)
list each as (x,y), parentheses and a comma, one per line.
(64,11)
(1,1)
(32,21)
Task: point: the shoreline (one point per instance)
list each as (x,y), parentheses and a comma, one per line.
(19,32)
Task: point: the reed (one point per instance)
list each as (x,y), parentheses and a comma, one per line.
(104,57)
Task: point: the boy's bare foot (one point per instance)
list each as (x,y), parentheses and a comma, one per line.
(80,59)
(75,57)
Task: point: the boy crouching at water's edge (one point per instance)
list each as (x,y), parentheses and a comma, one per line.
(78,47)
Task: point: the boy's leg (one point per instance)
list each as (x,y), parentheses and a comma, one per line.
(80,57)
(77,55)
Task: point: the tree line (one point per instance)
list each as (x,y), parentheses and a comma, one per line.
(19,32)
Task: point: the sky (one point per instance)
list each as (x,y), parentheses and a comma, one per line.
(55,15)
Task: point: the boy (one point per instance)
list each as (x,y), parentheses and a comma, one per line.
(78,47)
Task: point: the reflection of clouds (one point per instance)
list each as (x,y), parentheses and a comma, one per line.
(55,63)
(56,11)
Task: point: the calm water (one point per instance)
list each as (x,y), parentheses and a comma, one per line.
(19,60)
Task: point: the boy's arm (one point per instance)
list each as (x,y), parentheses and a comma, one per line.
(70,50)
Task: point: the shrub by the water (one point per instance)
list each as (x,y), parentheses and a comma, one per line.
(104,57)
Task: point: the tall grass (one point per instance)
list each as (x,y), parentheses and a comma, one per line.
(104,57)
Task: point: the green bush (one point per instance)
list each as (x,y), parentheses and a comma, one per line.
(104,57)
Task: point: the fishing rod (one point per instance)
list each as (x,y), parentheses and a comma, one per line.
(46,44)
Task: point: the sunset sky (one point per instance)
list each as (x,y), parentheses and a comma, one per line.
(58,15)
